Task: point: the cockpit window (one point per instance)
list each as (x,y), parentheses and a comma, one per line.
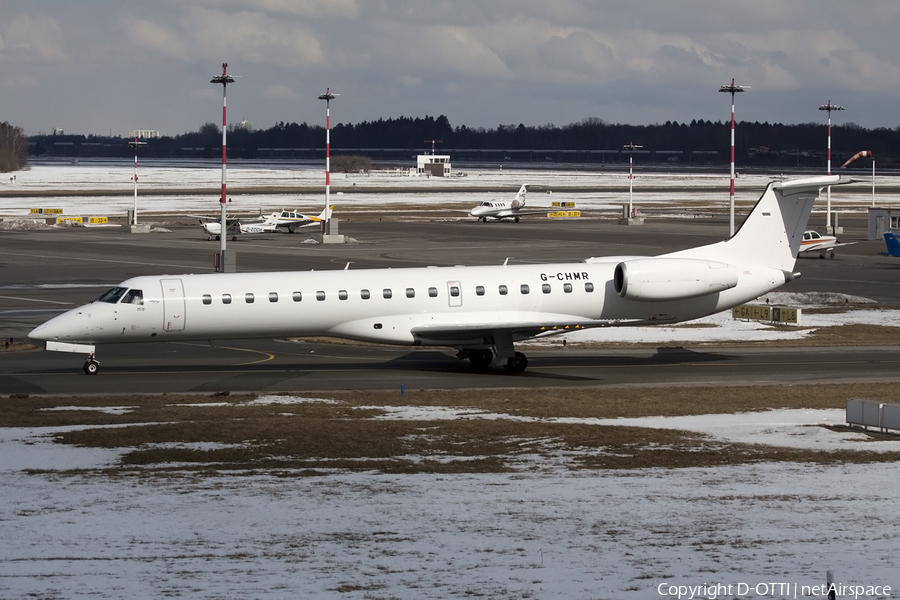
(113,295)
(133,297)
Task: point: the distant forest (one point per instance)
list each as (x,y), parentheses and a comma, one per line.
(13,148)
(592,140)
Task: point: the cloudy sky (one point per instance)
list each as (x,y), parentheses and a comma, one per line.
(111,66)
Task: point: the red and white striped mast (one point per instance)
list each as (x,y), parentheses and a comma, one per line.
(224,79)
(732,89)
(135,144)
(630,147)
(327,97)
(829,107)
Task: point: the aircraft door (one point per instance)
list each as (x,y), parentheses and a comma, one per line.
(173,304)
(454,293)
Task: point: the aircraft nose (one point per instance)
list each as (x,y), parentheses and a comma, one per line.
(49,330)
(61,327)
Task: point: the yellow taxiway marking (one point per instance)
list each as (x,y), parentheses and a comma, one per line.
(268,355)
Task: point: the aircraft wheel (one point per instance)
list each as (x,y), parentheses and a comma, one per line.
(91,366)
(218,237)
(484,219)
(517,219)
(517,364)
(234,238)
(480,359)
(831,255)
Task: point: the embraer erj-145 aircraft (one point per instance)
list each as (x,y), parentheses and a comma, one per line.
(500,209)
(482,311)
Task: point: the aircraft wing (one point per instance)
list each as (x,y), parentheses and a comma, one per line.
(467,328)
(519,213)
(826,247)
(838,245)
(229,221)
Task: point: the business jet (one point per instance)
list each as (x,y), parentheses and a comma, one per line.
(813,241)
(502,209)
(281,220)
(482,311)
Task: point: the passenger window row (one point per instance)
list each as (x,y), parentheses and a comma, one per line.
(387,293)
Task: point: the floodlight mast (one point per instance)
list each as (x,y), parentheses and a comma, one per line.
(327,97)
(223,79)
(631,148)
(829,107)
(135,144)
(732,89)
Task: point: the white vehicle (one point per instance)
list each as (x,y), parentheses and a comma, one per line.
(482,311)
(502,209)
(284,219)
(813,241)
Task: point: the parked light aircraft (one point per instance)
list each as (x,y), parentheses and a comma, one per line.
(502,209)
(813,241)
(284,219)
(893,245)
(482,311)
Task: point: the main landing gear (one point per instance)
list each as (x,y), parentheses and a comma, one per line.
(91,365)
(482,359)
(507,358)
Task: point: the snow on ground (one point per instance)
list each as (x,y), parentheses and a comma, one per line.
(71,531)
(721,327)
(654,191)
(541,532)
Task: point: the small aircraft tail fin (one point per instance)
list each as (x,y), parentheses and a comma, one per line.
(522,191)
(893,244)
(519,200)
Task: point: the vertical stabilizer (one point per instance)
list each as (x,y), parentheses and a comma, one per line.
(772,233)
(519,201)
(893,244)
(773,230)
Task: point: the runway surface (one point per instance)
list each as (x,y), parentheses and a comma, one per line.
(46,272)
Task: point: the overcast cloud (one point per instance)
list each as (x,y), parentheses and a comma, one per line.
(101,66)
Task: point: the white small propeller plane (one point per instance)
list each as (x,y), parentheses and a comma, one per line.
(281,220)
(502,209)
(813,241)
(481,311)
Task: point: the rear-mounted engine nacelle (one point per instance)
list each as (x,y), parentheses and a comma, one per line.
(652,279)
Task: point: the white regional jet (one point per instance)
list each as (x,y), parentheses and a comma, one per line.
(482,311)
(501,209)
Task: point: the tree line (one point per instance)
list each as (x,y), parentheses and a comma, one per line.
(13,148)
(801,144)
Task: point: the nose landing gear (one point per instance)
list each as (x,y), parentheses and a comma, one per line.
(91,365)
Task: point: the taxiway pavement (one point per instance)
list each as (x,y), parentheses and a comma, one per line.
(48,271)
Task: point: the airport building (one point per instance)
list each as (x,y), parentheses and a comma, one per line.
(437,165)
(882,221)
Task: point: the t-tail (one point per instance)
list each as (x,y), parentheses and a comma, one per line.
(519,200)
(773,231)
